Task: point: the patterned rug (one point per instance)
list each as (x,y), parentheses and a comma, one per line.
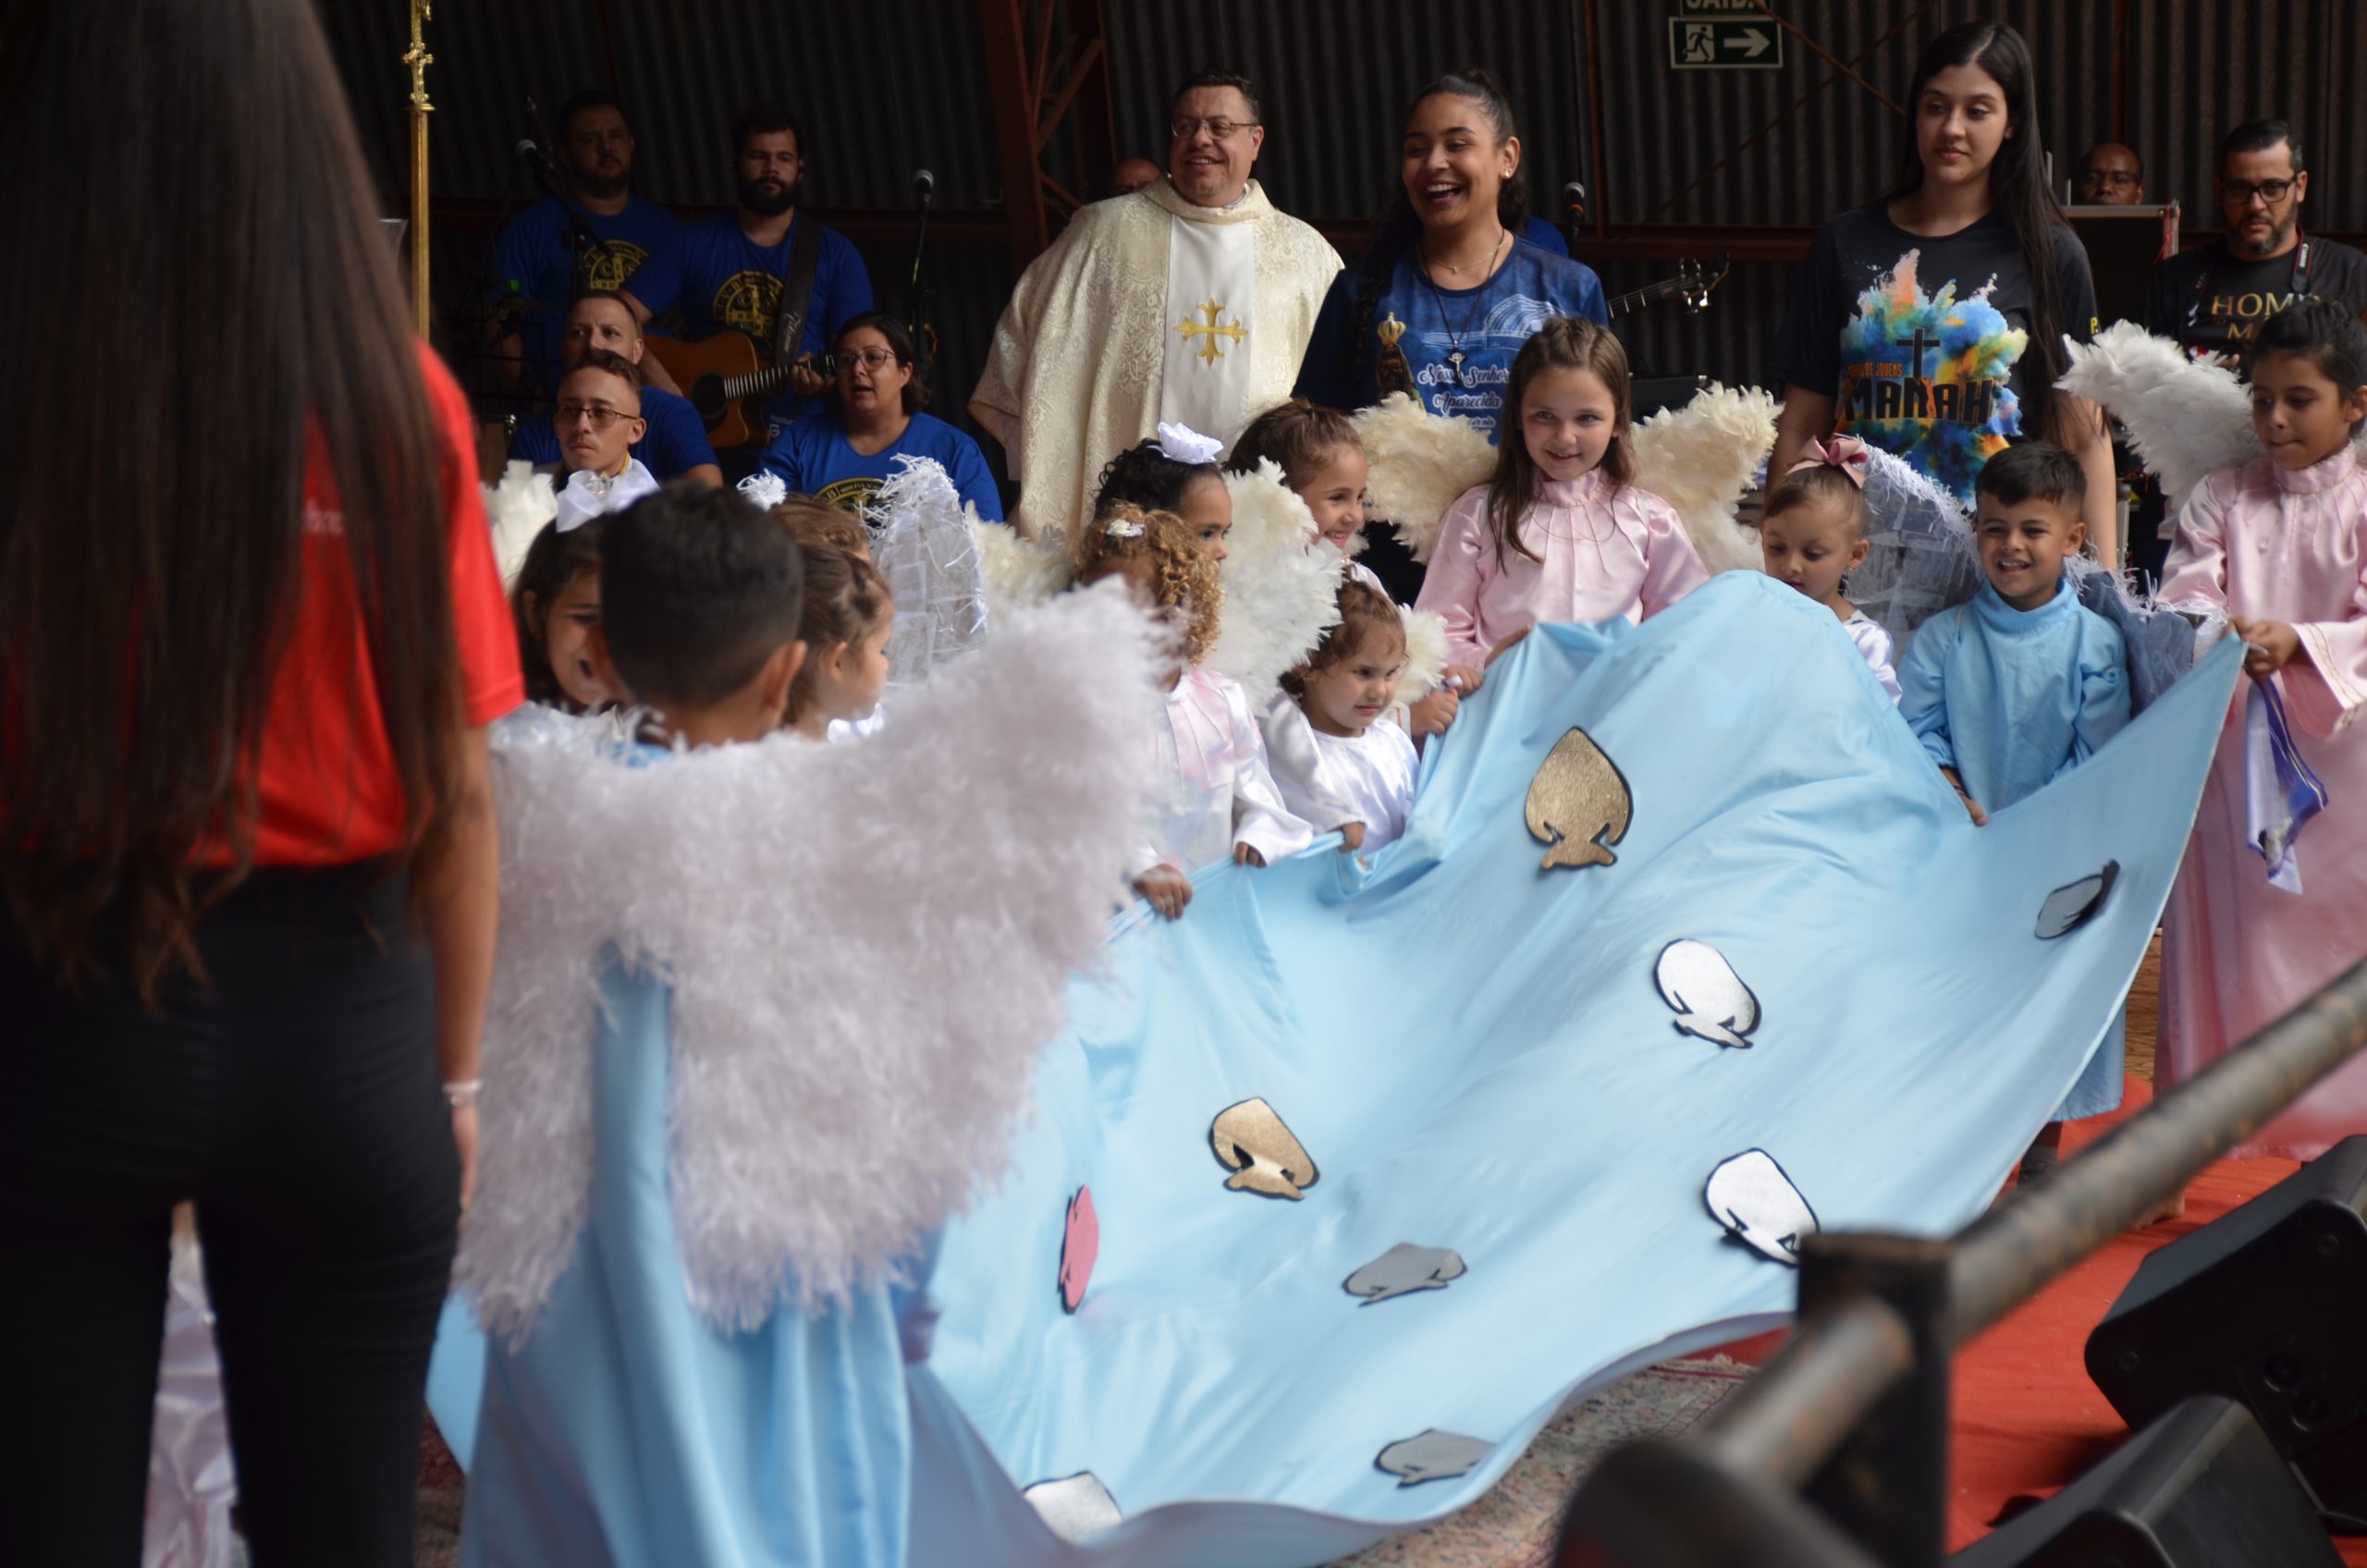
(1513,1527)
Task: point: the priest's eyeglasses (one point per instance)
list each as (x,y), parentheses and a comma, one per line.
(2269,192)
(1219,130)
(600,414)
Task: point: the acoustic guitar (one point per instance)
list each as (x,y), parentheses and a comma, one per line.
(1692,286)
(729,376)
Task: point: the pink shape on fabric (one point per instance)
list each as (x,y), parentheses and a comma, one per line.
(1079,1247)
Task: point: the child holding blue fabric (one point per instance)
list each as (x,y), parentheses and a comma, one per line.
(2015,688)
(625,1429)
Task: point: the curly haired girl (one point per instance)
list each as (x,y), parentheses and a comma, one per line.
(1219,797)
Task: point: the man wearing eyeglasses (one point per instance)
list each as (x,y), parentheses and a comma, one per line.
(674,445)
(2216,296)
(1188,301)
(2111,175)
(597,418)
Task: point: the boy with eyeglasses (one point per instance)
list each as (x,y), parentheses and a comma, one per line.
(597,418)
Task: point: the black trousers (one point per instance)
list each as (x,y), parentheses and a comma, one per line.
(295,1096)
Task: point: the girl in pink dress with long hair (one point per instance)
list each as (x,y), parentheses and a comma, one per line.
(1561,533)
(2280,546)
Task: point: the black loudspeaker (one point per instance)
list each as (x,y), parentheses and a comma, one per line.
(2266,1307)
(2200,1488)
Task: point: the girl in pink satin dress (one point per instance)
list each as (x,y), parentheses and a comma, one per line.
(2280,548)
(1560,533)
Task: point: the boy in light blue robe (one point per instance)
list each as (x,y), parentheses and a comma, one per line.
(2015,687)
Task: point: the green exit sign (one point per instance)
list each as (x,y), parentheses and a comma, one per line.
(1724,43)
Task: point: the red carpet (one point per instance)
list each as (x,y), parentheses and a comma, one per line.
(2027,1419)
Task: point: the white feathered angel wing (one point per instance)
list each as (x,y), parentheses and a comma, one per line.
(1281,583)
(1417,463)
(2184,418)
(1021,572)
(928,550)
(1919,556)
(1700,458)
(856,1012)
(517,507)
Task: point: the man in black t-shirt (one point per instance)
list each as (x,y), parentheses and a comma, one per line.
(2216,297)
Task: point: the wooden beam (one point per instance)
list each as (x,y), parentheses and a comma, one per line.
(1003,24)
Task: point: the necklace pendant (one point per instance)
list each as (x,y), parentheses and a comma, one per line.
(1454,366)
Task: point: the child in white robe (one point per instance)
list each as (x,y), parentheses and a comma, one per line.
(1219,800)
(1324,463)
(1345,689)
(1812,535)
(2279,545)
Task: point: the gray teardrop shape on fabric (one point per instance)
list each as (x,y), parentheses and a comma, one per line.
(1431,1456)
(2075,904)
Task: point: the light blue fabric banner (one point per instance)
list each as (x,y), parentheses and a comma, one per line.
(1476,1054)
(1464,1052)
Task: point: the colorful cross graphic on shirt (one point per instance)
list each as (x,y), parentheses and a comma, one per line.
(1208,332)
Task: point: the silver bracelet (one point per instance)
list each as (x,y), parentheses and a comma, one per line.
(462,1093)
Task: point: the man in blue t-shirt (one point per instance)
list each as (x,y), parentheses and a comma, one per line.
(547,256)
(728,270)
(674,445)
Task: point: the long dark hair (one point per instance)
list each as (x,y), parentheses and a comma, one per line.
(1562,343)
(2017,189)
(1398,228)
(150,540)
(899,343)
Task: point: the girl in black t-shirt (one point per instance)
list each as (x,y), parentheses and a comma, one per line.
(1931,323)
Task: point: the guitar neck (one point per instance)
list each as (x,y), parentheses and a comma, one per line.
(1636,299)
(760,384)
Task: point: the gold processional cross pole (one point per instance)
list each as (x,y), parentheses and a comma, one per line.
(419,59)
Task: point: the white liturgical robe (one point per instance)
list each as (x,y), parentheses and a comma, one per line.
(1147,307)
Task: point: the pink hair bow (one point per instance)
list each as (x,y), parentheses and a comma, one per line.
(1843,452)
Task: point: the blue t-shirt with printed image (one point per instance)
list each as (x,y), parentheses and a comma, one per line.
(716,277)
(1416,326)
(534,253)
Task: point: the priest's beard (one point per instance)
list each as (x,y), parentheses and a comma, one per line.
(769,198)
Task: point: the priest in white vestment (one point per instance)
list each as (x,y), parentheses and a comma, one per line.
(1190,301)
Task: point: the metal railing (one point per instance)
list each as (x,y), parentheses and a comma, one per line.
(1835,1454)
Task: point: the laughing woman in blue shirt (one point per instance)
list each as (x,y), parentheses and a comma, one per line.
(872,416)
(1449,289)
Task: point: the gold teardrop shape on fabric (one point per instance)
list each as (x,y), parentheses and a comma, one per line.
(1578,803)
(1251,1142)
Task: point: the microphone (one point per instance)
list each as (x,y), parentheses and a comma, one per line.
(924,186)
(1573,200)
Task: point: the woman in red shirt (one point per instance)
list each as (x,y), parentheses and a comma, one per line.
(251,635)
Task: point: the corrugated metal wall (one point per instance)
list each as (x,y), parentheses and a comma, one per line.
(1335,80)
(890,85)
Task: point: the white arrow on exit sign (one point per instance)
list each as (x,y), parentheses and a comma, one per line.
(1697,44)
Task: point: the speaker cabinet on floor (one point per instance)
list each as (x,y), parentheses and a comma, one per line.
(2266,1305)
(2200,1488)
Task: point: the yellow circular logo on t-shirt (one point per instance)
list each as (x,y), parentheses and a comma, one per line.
(607,267)
(849,494)
(748,300)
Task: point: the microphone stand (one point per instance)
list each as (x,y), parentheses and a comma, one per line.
(579,235)
(917,293)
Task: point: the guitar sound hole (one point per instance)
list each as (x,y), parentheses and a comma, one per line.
(706,396)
